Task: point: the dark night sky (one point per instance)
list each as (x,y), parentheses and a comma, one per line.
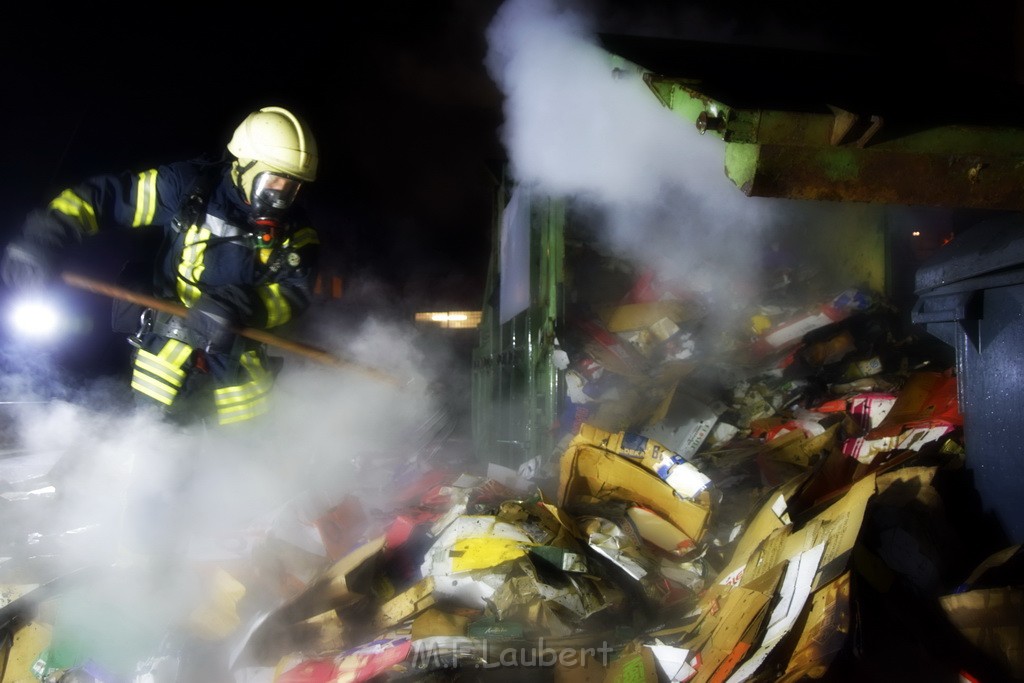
(397,92)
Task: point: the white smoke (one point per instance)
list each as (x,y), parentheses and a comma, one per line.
(574,127)
(91,486)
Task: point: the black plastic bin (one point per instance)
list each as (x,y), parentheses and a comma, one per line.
(971,296)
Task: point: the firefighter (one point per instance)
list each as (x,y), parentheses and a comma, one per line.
(237,252)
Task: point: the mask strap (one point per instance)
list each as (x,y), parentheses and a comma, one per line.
(241,171)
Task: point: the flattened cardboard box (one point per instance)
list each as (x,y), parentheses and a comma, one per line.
(823,634)
(837,526)
(588,472)
(731,622)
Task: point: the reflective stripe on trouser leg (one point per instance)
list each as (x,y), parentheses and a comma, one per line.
(159,375)
(248,400)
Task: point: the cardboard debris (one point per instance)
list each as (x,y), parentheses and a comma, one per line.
(681,475)
(345,585)
(987,610)
(713,502)
(794,590)
(434,622)
(837,526)
(589,473)
(407,604)
(824,632)
(684,423)
(990,618)
(729,620)
(658,531)
(637,316)
(610,541)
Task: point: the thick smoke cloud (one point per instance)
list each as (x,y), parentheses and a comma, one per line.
(577,127)
(89,483)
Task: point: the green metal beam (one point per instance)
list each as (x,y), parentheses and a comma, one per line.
(838,155)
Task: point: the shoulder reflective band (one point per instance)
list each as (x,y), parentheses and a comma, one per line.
(145,198)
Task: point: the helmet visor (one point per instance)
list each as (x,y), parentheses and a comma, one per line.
(274,191)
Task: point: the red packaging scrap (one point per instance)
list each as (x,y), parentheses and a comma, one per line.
(914,436)
(308,671)
(341,527)
(424,490)
(837,405)
(924,411)
(372,659)
(610,350)
(870,409)
(925,396)
(403,525)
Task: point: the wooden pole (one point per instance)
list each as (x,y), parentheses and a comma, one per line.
(173,308)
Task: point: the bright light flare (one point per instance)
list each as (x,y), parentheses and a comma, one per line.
(35,319)
(450,319)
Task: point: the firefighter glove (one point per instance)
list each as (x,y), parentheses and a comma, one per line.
(212,322)
(26,265)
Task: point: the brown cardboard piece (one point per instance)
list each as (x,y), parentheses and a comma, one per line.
(345,582)
(823,634)
(767,546)
(589,473)
(407,604)
(990,618)
(345,585)
(797,448)
(434,622)
(763,523)
(837,526)
(731,624)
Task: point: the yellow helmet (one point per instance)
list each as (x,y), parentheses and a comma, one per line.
(278,140)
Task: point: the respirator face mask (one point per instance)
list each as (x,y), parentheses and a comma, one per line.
(273,194)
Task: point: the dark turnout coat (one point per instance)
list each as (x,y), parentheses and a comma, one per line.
(210,248)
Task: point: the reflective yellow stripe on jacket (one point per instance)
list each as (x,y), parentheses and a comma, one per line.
(145,199)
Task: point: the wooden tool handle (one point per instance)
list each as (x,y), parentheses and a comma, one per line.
(173,308)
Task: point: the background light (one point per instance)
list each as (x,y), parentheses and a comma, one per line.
(450,319)
(35,319)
